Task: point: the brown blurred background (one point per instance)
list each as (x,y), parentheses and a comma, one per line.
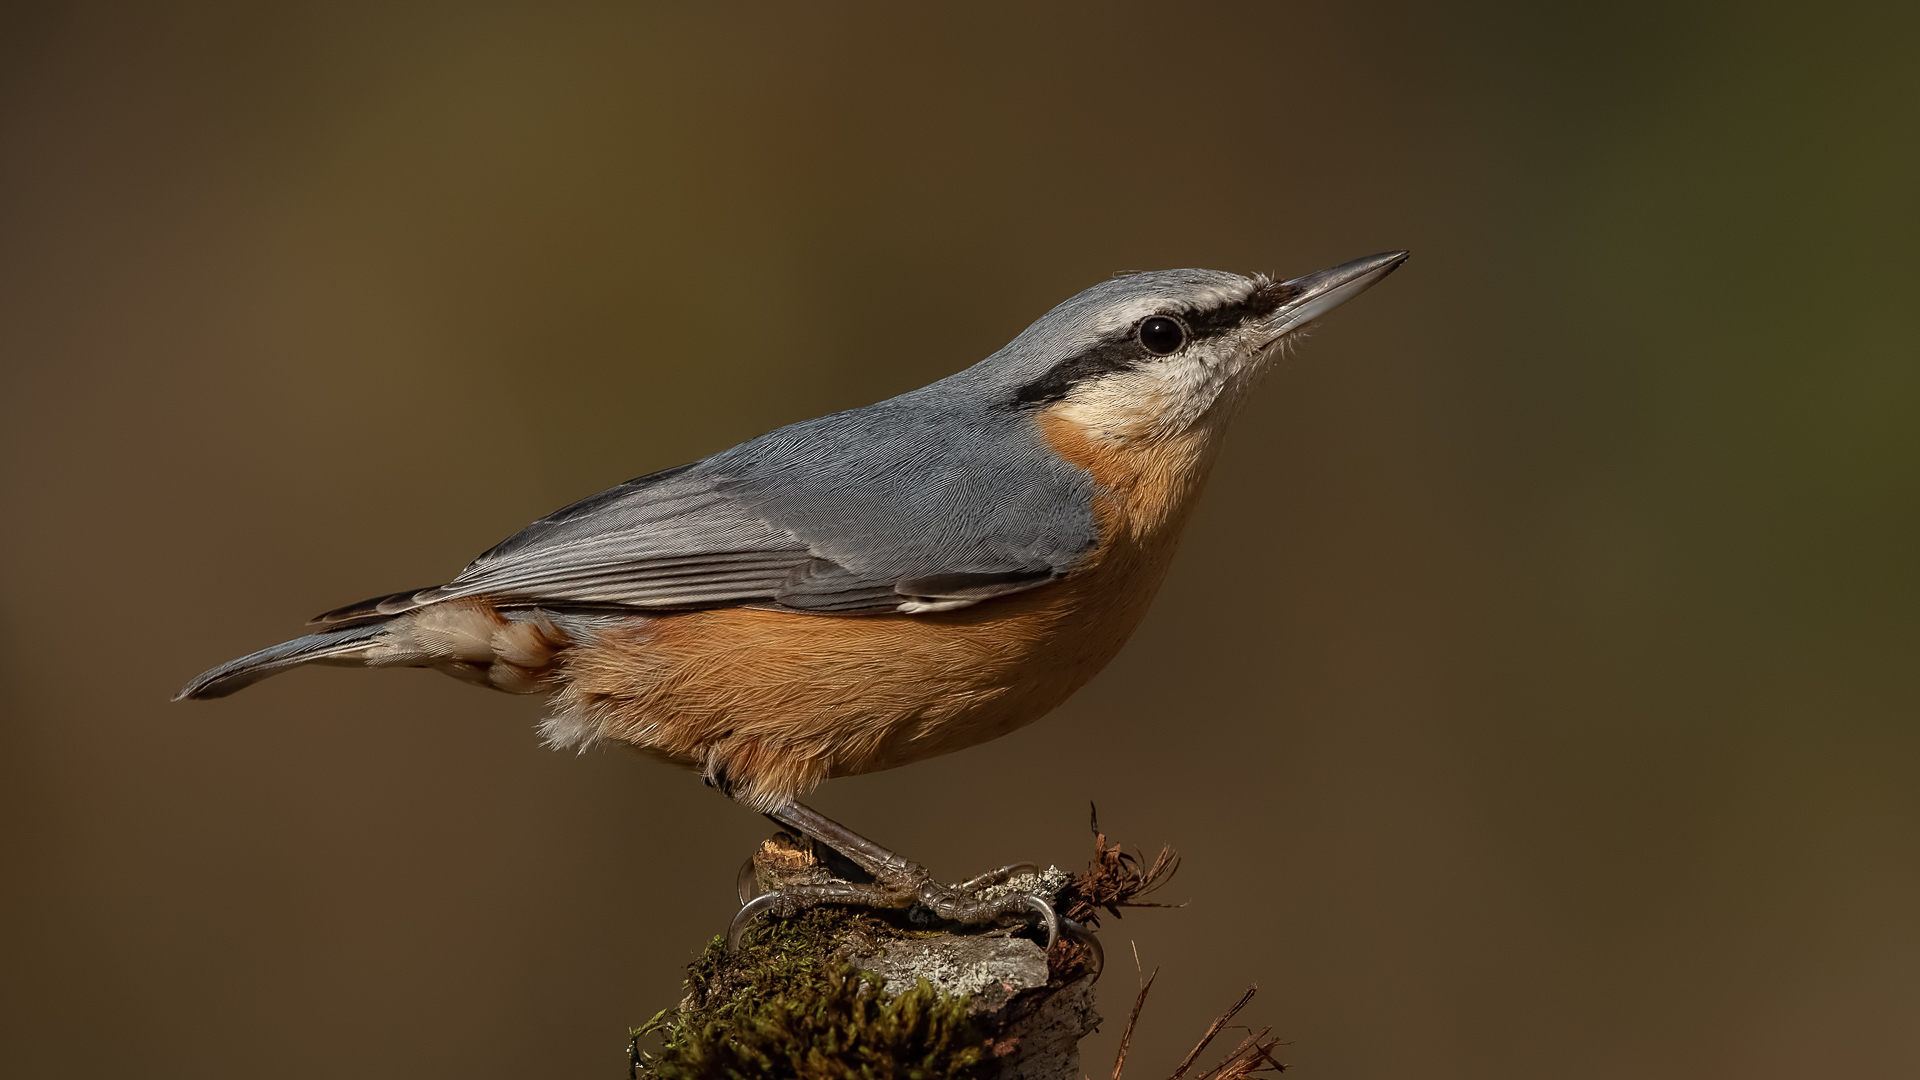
(1535,694)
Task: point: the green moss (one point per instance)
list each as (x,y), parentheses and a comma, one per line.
(787,1005)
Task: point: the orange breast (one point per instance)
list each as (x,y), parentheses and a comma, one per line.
(777,701)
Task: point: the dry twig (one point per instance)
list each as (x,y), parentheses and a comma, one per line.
(1253,1056)
(1126,1033)
(1213,1030)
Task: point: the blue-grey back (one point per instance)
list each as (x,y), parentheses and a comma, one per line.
(952,480)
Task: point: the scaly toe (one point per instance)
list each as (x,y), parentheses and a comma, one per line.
(792,900)
(907,887)
(996,877)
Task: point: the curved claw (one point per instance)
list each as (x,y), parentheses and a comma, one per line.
(1097,957)
(995,877)
(1048,917)
(749,911)
(747,882)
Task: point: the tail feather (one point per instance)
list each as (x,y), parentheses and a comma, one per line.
(378,609)
(237,674)
(515,651)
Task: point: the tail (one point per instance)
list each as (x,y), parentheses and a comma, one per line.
(335,646)
(514,651)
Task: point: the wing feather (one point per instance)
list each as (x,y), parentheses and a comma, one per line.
(665,541)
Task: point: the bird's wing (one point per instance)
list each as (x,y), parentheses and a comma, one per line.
(934,496)
(850,514)
(667,540)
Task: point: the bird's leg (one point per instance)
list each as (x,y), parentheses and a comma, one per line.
(871,857)
(859,850)
(898,883)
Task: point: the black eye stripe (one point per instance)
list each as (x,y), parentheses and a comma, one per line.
(1265,299)
(1129,352)
(1105,358)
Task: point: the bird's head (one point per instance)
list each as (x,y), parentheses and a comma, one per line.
(1152,356)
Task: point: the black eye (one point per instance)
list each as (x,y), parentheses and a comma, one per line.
(1161,335)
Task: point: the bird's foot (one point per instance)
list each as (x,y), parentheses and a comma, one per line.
(828,863)
(799,883)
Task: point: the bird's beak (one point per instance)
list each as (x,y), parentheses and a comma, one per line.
(1307,298)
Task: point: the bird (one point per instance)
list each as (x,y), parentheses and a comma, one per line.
(871,588)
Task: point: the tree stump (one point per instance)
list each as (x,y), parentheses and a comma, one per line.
(842,992)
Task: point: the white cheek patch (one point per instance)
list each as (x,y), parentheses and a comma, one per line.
(1165,397)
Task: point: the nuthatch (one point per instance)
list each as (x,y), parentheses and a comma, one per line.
(870,588)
